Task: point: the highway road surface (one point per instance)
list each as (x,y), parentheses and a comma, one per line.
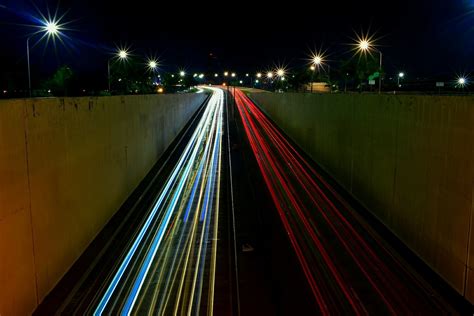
(238,221)
(348,268)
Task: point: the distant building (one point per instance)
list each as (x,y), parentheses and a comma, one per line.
(318,87)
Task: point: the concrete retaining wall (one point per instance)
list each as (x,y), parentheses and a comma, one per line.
(409,159)
(66,165)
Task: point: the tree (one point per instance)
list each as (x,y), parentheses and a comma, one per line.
(60,82)
(356,71)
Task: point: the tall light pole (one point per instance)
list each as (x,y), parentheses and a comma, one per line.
(28,61)
(364,45)
(317,61)
(401,75)
(462,82)
(380,70)
(50,29)
(122,54)
(152,65)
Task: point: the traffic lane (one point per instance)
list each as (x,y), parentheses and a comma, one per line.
(331,242)
(182,212)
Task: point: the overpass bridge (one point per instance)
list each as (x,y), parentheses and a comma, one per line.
(234,203)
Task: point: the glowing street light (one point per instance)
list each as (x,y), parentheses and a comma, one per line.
(226,73)
(152,64)
(122,54)
(317,60)
(269,75)
(216,75)
(182,73)
(401,75)
(462,82)
(259,75)
(280,72)
(51,28)
(312,68)
(233,74)
(365,45)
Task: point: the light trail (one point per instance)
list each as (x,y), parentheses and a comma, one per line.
(172,258)
(349,269)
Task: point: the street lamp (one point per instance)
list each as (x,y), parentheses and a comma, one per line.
(312,68)
(182,73)
(462,82)
(122,55)
(401,75)
(50,29)
(317,60)
(366,46)
(269,75)
(152,65)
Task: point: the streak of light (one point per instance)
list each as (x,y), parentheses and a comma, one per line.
(163,271)
(318,221)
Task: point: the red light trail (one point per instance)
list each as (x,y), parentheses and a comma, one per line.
(348,267)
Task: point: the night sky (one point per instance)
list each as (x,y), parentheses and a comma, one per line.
(424,38)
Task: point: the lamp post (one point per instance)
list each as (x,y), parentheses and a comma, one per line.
(316,62)
(462,82)
(28,61)
(122,54)
(152,65)
(313,69)
(380,71)
(365,46)
(401,75)
(50,29)
(270,78)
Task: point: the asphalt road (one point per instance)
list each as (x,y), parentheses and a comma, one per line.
(162,252)
(235,220)
(344,265)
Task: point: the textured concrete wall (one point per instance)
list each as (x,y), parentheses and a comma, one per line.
(409,159)
(66,165)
